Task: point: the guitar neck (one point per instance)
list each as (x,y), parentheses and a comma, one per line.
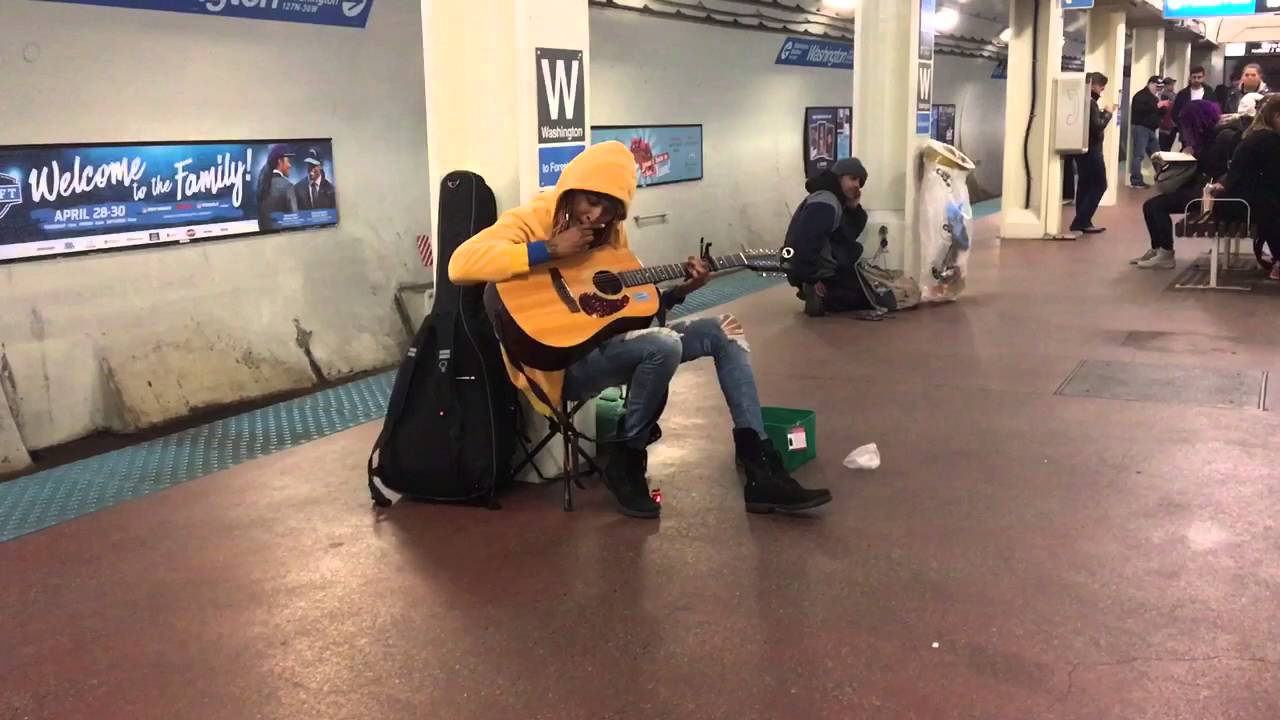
(662,273)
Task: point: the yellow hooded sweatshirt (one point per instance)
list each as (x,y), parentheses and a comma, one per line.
(499,252)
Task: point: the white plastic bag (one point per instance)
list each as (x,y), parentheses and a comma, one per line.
(866,457)
(943,222)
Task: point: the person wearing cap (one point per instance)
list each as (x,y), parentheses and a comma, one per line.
(1168,131)
(275,191)
(821,249)
(315,192)
(1145,113)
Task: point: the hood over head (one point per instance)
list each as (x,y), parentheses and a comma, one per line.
(608,168)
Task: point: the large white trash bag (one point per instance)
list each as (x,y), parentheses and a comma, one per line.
(943,223)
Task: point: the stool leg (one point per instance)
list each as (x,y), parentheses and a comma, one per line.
(1213,263)
(569,463)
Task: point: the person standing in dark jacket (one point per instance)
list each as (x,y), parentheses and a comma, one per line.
(1145,115)
(1168,131)
(1251,81)
(822,250)
(1091,168)
(1213,144)
(1195,90)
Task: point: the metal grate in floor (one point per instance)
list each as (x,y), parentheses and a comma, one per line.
(1170,384)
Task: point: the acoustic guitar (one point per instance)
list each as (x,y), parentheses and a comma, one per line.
(561,309)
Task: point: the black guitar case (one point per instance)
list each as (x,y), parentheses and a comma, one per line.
(449,434)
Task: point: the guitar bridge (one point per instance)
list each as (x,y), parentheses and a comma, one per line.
(562,290)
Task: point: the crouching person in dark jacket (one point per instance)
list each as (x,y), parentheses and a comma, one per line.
(822,250)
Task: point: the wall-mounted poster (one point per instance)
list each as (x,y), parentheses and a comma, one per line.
(828,137)
(347,13)
(944,123)
(664,154)
(65,199)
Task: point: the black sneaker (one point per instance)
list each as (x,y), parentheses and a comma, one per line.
(624,476)
(769,487)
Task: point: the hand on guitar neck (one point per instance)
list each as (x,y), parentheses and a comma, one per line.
(698,273)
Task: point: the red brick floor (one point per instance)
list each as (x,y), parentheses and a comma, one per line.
(1071,558)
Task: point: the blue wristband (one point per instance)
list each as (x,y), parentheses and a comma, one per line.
(538,253)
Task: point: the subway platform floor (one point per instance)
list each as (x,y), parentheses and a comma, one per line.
(1025,551)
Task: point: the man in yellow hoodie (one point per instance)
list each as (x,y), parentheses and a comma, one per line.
(586,210)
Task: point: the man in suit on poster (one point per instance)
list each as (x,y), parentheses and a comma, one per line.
(315,192)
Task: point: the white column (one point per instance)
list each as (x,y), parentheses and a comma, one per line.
(480,70)
(1104,53)
(1177,61)
(1148,60)
(1036,214)
(885,81)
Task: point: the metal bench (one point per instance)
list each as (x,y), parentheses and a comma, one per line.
(1226,236)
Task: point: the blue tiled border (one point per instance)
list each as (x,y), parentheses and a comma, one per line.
(59,494)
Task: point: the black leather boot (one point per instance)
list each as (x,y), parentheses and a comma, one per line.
(769,487)
(624,476)
(813,304)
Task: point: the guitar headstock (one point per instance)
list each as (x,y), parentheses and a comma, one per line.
(766,262)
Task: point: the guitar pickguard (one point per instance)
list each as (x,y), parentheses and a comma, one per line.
(602,307)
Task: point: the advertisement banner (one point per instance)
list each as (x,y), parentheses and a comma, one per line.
(345,13)
(944,123)
(65,199)
(664,154)
(1191,9)
(811,52)
(828,137)
(1262,48)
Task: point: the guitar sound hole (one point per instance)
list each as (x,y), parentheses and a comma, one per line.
(602,307)
(607,283)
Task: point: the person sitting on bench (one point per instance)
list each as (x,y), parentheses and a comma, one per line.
(1212,143)
(821,250)
(1255,177)
(586,210)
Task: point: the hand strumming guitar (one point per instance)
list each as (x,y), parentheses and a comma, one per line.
(698,274)
(572,241)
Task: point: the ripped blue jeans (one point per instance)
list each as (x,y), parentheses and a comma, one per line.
(646,360)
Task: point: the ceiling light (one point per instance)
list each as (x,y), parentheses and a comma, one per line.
(840,4)
(1005,35)
(945,19)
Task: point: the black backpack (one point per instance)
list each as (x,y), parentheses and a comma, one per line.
(449,434)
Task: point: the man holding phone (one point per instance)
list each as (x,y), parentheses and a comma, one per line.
(1092,167)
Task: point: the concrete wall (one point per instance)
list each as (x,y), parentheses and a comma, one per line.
(979,100)
(650,70)
(130,339)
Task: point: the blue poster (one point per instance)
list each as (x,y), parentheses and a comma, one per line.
(1189,9)
(811,52)
(347,13)
(664,153)
(64,199)
(552,160)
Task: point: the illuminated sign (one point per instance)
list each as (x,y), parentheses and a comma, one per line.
(1187,9)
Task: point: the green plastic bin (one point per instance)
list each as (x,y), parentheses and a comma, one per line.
(794,433)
